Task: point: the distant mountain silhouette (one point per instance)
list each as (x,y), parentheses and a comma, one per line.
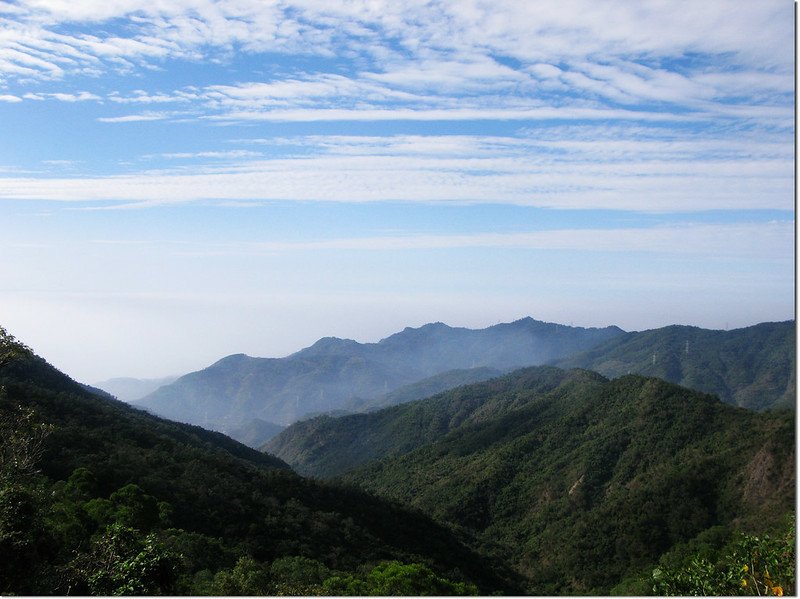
(333,373)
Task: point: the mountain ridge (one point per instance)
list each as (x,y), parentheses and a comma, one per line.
(753,367)
(331,372)
(588,481)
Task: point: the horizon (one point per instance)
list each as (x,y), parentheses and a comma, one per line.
(371,342)
(187,180)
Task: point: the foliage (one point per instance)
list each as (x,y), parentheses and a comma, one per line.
(580,483)
(122,562)
(23,441)
(750,565)
(326,447)
(397,579)
(247,577)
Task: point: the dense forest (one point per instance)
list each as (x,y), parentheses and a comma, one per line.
(542,481)
(582,488)
(752,367)
(581,483)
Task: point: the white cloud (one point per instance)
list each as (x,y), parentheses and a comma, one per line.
(411,171)
(210,154)
(445,50)
(753,241)
(133,118)
(83,96)
(649,106)
(451,114)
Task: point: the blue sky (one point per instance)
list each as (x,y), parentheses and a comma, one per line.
(185,179)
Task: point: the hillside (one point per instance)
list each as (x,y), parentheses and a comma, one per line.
(326,447)
(583,483)
(330,374)
(752,367)
(112,486)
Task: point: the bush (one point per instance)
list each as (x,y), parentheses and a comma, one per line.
(751,565)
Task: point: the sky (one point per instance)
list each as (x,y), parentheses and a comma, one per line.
(185,179)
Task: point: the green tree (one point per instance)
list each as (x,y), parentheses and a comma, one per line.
(123,562)
(247,577)
(24,539)
(24,437)
(750,565)
(299,570)
(397,579)
(134,508)
(10,348)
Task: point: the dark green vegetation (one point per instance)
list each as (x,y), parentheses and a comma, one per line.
(424,388)
(546,481)
(753,367)
(97,497)
(747,565)
(333,373)
(326,447)
(581,483)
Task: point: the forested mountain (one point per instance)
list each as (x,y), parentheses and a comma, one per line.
(333,372)
(545,481)
(98,497)
(326,446)
(752,367)
(581,482)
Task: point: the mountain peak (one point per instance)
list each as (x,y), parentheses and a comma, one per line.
(413,332)
(328,345)
(232,360)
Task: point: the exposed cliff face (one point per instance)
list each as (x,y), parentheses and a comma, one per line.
(770,475)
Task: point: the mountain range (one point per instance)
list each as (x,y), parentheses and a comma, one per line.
(541,481)
(753,367)
(131,389)
(580,482)
(335,373)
